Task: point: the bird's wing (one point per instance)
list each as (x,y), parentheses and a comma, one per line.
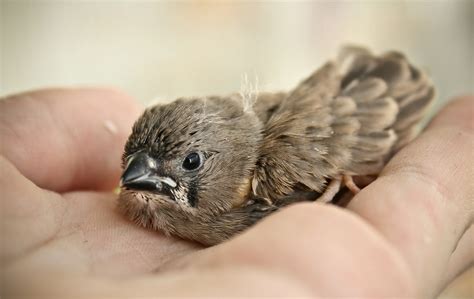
(267,104)
(348,117)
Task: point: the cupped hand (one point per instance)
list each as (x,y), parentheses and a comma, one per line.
(406,234)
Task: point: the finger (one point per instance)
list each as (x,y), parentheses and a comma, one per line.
(236,282)
(67,139)
(29,217)
(422,202)
(462,257)
(329,250)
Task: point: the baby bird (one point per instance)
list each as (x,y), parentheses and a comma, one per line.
(205,169)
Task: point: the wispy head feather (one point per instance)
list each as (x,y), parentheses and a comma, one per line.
(248,92)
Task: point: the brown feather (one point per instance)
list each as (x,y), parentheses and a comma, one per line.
(346,118)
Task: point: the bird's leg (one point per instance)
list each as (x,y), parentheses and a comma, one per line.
(331,191)
(335,185)
(349,183)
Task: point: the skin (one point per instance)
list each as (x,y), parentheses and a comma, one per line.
(405,235)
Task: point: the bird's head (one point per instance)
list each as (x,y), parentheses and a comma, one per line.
(188,159)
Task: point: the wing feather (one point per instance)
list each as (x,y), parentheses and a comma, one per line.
(348,117)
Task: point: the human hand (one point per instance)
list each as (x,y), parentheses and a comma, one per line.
(62,235)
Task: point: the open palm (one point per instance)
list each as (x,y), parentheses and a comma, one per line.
(406,234)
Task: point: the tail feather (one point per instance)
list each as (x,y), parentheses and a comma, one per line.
(348,117)
(391,95)
(367,90)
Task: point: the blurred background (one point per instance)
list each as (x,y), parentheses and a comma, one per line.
(163,50)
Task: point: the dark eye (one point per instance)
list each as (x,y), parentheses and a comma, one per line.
(192,161)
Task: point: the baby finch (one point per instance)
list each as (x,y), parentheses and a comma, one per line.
(206,168)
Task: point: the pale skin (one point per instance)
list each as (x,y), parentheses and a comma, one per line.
(405,235)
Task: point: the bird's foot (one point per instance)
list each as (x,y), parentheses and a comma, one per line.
(335,185)
(331,191)
(349,183)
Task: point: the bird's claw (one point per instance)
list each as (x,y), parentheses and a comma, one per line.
(331,190)
(335,185)
(349,183)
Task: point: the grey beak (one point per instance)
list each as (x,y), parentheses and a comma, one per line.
(140,174)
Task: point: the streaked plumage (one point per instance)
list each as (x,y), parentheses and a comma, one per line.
(346,119)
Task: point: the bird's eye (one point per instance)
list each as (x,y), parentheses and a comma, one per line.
(192,161)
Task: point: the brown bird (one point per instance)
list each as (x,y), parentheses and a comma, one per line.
(207,168)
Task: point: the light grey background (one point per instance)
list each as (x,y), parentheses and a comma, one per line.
(165,50)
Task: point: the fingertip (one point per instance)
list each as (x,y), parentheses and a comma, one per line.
(458,112)
(109,130)
(68,138)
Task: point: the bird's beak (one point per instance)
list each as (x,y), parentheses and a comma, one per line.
(141,174)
